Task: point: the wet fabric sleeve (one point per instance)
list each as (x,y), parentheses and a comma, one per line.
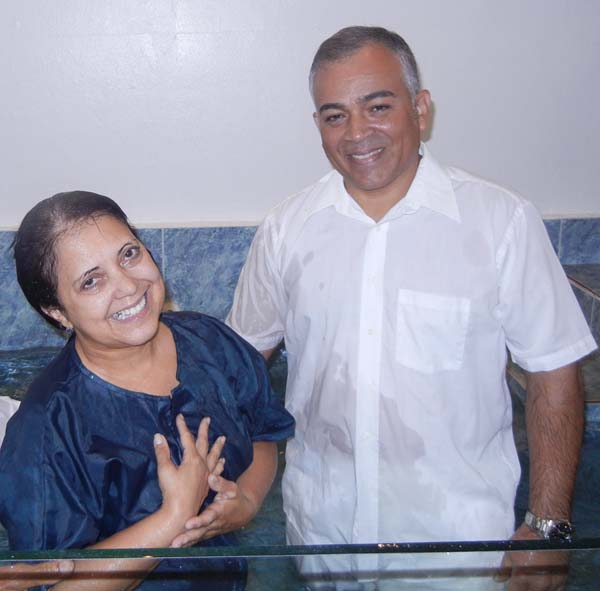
(264,416)
(259,303)
(49,498)
(544,326)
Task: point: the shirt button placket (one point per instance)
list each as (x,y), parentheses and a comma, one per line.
(367,403)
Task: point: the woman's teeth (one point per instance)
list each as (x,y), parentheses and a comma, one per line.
(127,313)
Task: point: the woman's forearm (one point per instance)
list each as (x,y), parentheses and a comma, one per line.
(183,488)
(258,478)
(155,531)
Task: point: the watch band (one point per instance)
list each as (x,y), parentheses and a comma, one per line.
(550,529)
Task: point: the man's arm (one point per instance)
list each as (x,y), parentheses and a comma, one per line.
(554,417)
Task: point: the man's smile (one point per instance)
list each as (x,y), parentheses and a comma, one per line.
(366,155)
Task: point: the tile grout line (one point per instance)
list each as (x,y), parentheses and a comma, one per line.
(162,251)
(560,235)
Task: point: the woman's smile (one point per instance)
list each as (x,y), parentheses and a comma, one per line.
(133,312)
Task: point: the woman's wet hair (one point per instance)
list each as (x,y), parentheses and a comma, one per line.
(34,246)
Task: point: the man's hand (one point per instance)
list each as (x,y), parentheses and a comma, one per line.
(544,570)
(231,509)
(19,577)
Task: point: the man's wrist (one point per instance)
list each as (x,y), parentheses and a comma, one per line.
(549,528)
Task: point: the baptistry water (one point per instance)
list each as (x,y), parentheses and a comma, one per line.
(17,369)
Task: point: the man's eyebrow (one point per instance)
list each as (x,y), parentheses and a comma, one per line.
(377,94)
(363,99)
(326,106)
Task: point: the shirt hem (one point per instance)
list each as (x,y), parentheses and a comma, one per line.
(260,344)
(559,358)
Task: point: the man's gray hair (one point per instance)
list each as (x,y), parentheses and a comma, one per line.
(349,40)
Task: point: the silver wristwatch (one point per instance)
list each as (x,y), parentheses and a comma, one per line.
(550,529)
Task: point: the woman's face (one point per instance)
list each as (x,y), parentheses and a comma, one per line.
(110,290)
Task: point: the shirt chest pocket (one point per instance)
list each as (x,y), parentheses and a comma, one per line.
(431,330)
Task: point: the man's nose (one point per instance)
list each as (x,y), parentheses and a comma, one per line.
(357,128)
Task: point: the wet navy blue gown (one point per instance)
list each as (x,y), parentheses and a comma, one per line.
(77,464)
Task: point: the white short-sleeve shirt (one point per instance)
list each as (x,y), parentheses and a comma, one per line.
(396,334)
(8,407)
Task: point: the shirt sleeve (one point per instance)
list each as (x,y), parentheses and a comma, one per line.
(259,303)
(48,500)
(543,323)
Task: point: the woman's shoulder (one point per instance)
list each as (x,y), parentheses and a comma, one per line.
(50,390)
(212,335)
(55,377)
(200,325)
(26,429)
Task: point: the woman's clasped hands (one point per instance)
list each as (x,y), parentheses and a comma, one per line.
(185,487)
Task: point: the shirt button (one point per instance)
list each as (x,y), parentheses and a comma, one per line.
(370,332)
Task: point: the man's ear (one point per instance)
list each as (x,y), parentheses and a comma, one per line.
(316,119)
(423,108)
(59,316)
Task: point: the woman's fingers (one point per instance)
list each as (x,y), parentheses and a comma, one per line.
(186,438)
(197,449)
(219,467)
(202,439)
(161,451)
(225,489)
(215,453)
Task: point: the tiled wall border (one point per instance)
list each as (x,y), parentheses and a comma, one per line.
(201,266)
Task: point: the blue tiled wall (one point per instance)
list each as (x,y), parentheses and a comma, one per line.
(576,241)
(580,242)
(201,266)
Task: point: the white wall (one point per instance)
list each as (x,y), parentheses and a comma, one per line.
(197,111)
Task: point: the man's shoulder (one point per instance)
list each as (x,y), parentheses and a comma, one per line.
(483,196)
(305,202)
(463,180)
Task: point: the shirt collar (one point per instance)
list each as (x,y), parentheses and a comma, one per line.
(431,188)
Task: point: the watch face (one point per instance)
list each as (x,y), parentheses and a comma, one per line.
(561,531)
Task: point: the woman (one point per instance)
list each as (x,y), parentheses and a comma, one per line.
(77,458)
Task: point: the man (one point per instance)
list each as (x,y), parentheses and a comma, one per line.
(397,285)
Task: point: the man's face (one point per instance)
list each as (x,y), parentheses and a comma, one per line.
(370,127)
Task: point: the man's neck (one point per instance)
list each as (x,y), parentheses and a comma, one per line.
(376,203)
(376,207)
